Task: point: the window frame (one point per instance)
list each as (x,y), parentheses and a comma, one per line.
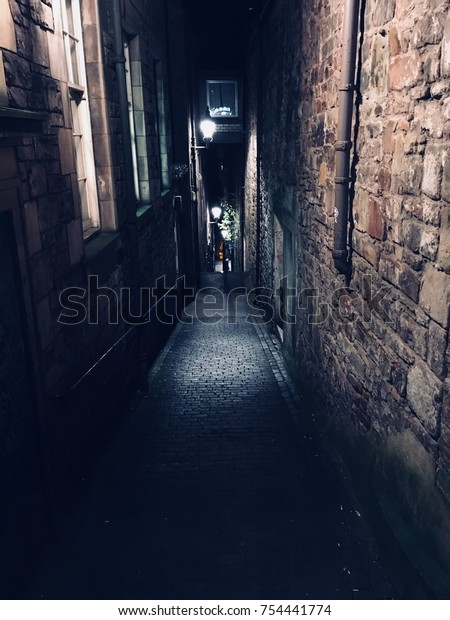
(137,117)
(127,38)
(162,123)
(80,118)
(236,98)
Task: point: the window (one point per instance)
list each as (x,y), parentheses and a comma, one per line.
(135,96)
(81,121)
(162,126)
(126,51)
(222,98)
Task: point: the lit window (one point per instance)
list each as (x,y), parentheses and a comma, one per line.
(81,121)
(137,117)
(131,112)
(222,98)
(162,126)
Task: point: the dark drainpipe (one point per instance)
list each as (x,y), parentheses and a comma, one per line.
(343,139)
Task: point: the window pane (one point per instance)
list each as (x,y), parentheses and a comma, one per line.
(162,125)
(165,171)
(79,107)
(81,170)
(222,97)
(76,126)
(85,216)
(78,139)
(82,187)
(73,45)
(131,112)
(69,14)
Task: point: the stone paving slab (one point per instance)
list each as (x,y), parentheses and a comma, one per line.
(215,488)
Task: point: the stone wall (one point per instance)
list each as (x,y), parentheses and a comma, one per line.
(58,256)
(251,170)
(387,392)
(133,247)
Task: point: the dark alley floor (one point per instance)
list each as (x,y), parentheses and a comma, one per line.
(215,488)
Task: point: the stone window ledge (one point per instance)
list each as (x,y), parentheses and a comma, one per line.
(144,208)
(15,121)
(101,250)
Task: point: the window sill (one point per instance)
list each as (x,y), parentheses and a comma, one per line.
(7,112)
(99,249)
(90,233)
(143,208)
(18,122)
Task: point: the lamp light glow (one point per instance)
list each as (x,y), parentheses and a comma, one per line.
(216,213)
(208,129)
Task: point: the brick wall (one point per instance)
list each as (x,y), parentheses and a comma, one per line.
(383,382)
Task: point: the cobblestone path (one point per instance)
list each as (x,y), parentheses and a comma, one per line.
(215,488)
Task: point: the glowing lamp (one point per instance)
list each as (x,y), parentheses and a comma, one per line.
(208,129)
(216,213)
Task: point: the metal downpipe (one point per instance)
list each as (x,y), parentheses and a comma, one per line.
(343,143)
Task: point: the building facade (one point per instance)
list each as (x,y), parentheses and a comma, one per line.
(87,208)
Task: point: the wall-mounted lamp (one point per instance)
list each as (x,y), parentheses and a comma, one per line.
(208,129)
(216,212)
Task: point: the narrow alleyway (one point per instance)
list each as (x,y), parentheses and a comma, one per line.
(215,488)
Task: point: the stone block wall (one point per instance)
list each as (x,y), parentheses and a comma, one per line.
(36,79)
(385,375)
(33,77)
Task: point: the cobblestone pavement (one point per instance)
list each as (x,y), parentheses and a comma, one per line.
(215,488)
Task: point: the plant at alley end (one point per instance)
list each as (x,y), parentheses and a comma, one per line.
(229,224)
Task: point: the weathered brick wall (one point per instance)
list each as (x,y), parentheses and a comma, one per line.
(386,379)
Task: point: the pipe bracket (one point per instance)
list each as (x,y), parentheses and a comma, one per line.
(345,88)
(342,180)
(339,254)
(343,145)
(119,60)
(343,266)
